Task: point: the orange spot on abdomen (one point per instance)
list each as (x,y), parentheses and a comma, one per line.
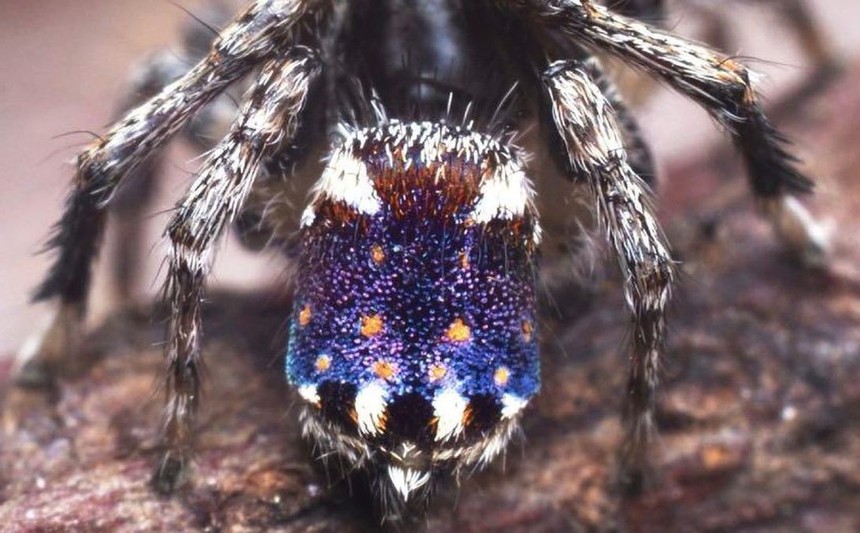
(501,376)
(323,363)
(377,254)
(384,369)
(305,316)
(437,372)
(371,325)
(458,331)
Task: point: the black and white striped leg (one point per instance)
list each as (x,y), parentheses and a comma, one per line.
(718,83)
(256,34)
(591,135)
(130,201)
(638,152)
(270,118)
(128,206)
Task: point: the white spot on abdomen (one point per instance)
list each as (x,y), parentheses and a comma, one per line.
(308,392)
(448,408)
(370,404)
(345,179)
(506,193)
(512,405)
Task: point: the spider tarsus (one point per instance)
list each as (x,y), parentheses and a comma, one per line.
(36,374)
(635,481)
(170,474)
(51,351)
(803,236)
(637,473)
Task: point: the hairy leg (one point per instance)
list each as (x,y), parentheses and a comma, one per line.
(638,152)
(129,203)
(718,83)
(270,118)
(591,133)
(252,37)
(796,14)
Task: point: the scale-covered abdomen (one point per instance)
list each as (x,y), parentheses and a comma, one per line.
(414,320)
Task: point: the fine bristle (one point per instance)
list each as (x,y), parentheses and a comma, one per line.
(417,268)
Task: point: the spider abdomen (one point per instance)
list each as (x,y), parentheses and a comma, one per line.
(413,337)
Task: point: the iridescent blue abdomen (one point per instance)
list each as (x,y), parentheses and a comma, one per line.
(414,321)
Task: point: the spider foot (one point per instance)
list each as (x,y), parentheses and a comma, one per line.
(636,476)
(803,236)
(52,351)
(632,483)
(170,473)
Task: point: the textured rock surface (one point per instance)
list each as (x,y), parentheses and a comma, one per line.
(760,409)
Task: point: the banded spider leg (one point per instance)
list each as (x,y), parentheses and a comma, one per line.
(720,85)
(592,136)
(271,116)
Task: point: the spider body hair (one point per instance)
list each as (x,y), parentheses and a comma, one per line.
(414,338)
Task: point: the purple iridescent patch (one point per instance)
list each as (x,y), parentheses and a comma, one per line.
(414,320)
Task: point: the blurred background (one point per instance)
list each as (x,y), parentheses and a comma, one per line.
(65,64)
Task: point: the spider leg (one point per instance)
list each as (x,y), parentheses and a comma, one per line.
(592,137)
(567,277)
(256,34)
(718,83)
(639,153)
(813,41)
(270,117)
(131,199)
(797,16)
